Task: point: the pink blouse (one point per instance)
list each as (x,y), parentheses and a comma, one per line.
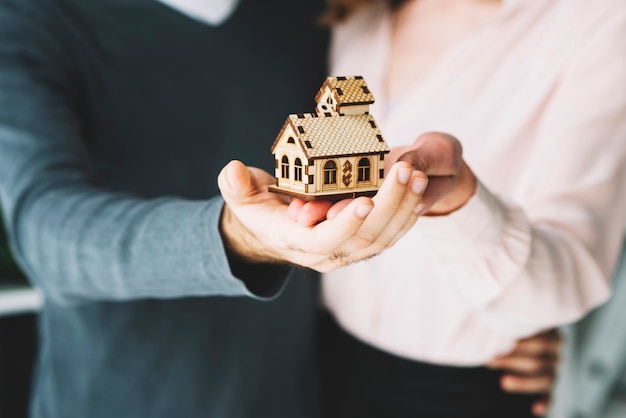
(537,97)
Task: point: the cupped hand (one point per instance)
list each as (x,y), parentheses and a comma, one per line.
(257,227)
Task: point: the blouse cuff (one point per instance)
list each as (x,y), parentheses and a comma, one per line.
(487,240)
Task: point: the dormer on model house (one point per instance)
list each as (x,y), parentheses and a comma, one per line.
(334,153)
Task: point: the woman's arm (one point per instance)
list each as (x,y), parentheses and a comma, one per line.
(546,258)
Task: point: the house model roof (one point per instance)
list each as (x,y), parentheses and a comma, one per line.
(347,90)
(334,135)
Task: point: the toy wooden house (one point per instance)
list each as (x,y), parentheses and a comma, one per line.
(334,153)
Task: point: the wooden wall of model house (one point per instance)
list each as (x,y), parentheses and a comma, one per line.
(348,175)
(288,173)
(328,174)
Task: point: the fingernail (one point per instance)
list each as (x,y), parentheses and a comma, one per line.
(404,175)
(231,178)
(418,186)
(227,174)
(419,208)
(363,210)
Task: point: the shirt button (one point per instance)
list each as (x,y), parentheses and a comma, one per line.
(597,369)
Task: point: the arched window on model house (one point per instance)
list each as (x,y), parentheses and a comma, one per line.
(364,170)
(330,172)
(284,167)
(297,176)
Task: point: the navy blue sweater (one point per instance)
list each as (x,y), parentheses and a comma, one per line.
(115,119)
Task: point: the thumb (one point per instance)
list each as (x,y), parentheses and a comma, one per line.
(234,181)
(394,154)
(436,154)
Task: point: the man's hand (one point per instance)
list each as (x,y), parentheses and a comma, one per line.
(531,368)
(256,225)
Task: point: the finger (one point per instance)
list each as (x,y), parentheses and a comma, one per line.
(392,157)
(525,365)
(327,236)
(234,181)
(392,220)
(313,212)
(436,154)
(391,203)
(551,339)
(337,207)
(541,344)
(418,185)
(525,384)
(238,183)
(294,208)
(538,347)
(438,188)
(540,407)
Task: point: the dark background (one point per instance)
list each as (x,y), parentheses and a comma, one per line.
(18,342)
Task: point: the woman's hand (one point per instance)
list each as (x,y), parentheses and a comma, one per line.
(531,367)
(451,183)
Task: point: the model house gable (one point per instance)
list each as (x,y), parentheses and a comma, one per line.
(344,95)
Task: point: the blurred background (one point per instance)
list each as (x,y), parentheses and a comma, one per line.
(18,335)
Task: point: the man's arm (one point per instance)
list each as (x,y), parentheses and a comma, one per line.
(74,239)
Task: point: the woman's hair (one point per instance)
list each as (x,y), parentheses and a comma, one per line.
(340,10)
